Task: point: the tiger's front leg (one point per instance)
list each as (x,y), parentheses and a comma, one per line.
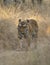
(26,33)
(19,35)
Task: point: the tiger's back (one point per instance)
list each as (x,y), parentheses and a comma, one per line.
(33,28)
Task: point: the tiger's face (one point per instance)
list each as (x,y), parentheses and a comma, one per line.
(22,26)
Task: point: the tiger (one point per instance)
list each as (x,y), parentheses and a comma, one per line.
(26,28)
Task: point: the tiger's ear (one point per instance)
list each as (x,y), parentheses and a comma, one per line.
(19,20)
(27,21)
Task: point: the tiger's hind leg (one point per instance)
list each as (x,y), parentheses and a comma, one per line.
(34,38)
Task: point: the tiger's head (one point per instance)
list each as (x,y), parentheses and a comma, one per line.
(23,26)
(22,23)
